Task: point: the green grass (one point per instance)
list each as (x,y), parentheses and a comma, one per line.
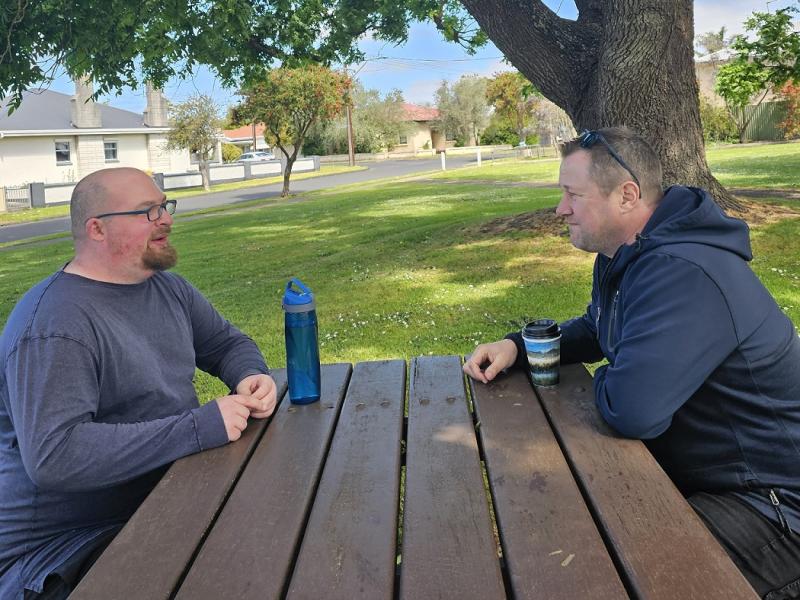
(756,165)
(400,268)
(51,212)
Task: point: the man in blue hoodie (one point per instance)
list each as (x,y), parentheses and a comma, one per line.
(702,363)
(96,392)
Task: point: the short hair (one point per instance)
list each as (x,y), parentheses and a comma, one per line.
(87,198)
(639,155)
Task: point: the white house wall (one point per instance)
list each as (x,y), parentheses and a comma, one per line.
(33,158)
(28,159)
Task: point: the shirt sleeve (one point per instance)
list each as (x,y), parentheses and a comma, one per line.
(53,393)
(676,330)
(220,348)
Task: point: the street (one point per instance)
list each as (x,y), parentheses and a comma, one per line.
(375,170)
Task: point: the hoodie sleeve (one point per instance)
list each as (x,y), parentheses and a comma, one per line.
(676,330)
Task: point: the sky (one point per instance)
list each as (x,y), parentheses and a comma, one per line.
(418,67)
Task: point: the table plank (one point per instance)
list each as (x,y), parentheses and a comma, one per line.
(448,548)
(662,545)
(150,554)
(551,545)
(349,546)
(250,551)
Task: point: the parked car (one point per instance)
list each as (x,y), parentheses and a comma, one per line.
(259,156)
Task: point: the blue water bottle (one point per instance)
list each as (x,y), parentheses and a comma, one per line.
(302,348)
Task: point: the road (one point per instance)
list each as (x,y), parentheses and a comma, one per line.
(375,170)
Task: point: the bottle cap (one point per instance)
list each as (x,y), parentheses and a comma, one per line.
(301,300)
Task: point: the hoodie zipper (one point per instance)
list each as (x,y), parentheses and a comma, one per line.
(613,320)
(773,497)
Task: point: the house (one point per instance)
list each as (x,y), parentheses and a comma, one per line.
(423,133)
(247,138)
(55,138)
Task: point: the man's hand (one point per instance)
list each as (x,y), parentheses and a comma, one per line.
(234,414)
(263,391)
(500,355)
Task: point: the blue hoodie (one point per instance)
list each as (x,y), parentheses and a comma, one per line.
(702,363)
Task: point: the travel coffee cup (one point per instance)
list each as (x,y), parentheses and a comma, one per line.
(543,345)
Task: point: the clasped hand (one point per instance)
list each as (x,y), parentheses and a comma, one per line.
(255,396)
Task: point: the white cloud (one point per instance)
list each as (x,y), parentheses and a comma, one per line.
(421,91)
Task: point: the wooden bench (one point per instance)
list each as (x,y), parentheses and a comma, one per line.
(418,486)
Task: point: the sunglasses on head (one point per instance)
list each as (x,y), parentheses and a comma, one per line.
(587,139)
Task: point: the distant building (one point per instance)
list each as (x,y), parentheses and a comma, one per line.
(55,138)
(424,133)
(246,136)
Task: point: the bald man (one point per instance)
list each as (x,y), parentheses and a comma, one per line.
(96,393)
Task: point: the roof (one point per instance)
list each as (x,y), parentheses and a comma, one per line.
(415,112)
(45,110)
(723,55)
(244,133)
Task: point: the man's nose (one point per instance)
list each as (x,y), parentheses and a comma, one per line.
(563,206)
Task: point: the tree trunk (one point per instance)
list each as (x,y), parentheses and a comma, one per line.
(287,173)
(205,175)
(628,63)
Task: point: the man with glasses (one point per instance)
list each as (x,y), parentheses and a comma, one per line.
(96,392)
(702,363)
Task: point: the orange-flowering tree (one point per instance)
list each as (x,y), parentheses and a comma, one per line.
(790,92)
(289,102)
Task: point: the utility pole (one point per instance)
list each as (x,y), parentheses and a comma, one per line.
(254,136)
(351,155)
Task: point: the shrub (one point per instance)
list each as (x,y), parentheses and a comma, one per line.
(718,125)
(230,152)
(791,124)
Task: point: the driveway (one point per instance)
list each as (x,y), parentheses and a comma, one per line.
(375,170)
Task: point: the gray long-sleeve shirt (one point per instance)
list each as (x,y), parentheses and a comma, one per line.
(96,397)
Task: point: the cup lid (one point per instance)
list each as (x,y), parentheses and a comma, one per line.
(541,328)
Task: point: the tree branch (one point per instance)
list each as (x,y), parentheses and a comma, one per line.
(558,54)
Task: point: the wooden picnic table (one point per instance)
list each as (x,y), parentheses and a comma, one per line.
(418,485)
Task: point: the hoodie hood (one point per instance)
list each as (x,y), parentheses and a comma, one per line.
(687,215)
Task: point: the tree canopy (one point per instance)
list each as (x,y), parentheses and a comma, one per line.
(514,98)
(463,108)
(289,101)
(124,43)
(764,62)
(196,127)
(378,123)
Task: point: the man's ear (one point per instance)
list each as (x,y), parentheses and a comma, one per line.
(630,197)
(95,230)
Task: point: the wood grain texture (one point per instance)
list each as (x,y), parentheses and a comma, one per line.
(448,548)
(249,552)
(150,554)
(663,547)
(551,545)
(349,546)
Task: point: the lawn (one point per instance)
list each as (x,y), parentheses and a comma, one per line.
(62,210)
(399,268)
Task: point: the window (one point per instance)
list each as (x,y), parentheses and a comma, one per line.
(403,139)
(62,153)
(110,150)
(450,137)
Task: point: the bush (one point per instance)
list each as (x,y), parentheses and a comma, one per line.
(718,125)
(791,124)
(230,152)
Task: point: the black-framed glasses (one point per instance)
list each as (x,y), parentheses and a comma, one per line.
(587,139)
(153,212)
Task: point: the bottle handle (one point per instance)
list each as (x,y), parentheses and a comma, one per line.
(298,283)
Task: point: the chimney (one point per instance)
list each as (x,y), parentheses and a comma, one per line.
(155,115)
(85,113)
